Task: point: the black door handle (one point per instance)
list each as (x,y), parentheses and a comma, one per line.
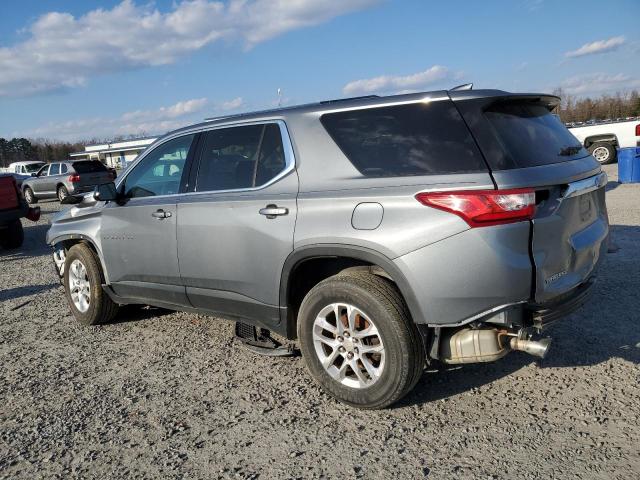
(160,214)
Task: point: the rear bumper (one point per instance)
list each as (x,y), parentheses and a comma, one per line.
(546,314)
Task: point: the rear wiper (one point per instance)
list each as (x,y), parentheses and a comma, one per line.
(568,151)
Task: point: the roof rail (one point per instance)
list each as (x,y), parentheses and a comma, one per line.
(324,102)
(464,86)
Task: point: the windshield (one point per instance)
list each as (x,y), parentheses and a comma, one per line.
(531,135)
(33,167)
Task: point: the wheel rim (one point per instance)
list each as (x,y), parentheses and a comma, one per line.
(29,195)
(348,345)
(62,194)
(79,286)
(601,154)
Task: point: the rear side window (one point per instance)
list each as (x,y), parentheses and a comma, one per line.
(415,139)
(55,169)
(531,136)
(63,168)
(89,167)
(240,157)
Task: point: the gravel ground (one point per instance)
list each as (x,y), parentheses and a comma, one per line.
(168,395)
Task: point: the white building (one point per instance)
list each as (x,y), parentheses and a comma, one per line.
(116,154)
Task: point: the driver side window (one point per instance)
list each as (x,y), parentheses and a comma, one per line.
(160,172)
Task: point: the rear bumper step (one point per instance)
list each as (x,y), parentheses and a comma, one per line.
(544,315)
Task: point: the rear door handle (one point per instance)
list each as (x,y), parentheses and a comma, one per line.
(160,214)
(273,211)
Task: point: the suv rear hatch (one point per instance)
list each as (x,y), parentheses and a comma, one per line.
(90,173)
(525,145)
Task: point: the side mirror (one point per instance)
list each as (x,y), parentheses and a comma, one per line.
(71,199)
(106,192)
(34,174)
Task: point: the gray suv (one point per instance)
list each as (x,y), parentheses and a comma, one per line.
(61,179)
(382,233)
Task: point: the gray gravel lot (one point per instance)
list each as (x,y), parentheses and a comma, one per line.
(169,395)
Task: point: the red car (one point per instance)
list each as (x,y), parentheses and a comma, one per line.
(12,208)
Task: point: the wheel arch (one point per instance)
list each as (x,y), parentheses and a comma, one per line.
(605,137)
(323,261)
(69,240)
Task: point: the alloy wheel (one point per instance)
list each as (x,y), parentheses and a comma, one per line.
(79,286)
(348,345)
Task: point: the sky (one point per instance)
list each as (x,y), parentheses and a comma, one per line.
(83,69)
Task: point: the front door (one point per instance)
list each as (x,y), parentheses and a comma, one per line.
(139,236)
(40,185)
(235,230)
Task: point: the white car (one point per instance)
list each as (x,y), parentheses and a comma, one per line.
(602,139)
(22,170)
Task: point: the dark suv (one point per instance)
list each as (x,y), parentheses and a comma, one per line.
(448,226)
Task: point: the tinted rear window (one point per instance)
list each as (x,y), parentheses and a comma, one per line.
(415,139)
(89,167)
(531,136)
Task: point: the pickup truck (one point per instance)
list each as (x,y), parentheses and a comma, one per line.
(12,208)
(602,139)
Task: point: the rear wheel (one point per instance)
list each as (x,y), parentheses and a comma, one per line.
(358,340)
(62,193)
(29,196)
(83,287)
(604,153)
(12,236)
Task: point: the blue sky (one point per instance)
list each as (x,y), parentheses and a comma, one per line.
(94,69)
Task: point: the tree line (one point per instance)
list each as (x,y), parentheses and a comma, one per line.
(605,107)
(20,149)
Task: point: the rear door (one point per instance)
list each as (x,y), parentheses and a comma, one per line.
(235,230)
(526,146)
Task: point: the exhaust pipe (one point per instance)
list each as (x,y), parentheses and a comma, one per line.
(537,348)
(486,345)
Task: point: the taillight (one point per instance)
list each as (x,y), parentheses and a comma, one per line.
(481,208)
(638,130)
(74,178)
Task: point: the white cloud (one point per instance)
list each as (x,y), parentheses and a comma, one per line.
(388,83)
(138,122)
(597,83)
(230,105)
(180,109)
(63,51)
(600,46)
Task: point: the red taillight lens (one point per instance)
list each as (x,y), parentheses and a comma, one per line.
(481,208)
(74,178)
(638,130)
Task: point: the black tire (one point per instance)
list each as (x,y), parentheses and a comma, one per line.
(101,308)
(608,155)
(30,196)
(62,193)
(12,236)
(403,350)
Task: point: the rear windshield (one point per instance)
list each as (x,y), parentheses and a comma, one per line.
(89,167)
(531,136)
(415,139)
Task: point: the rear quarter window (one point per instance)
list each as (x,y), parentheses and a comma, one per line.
(531,136)
(404,140)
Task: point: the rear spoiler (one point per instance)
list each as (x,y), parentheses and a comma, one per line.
(488,98)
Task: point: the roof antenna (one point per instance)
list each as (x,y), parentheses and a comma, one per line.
(464,86)
(279,97)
